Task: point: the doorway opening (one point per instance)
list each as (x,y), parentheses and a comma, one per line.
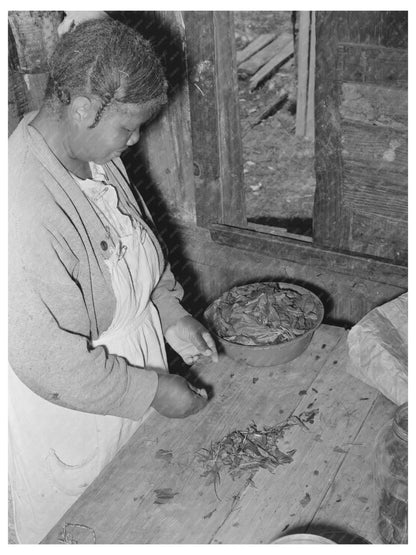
(275,67)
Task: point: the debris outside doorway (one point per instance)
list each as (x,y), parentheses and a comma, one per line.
(279,174)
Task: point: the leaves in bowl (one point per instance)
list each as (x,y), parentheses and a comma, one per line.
(263,314)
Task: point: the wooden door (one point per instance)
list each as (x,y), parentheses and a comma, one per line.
(361,133)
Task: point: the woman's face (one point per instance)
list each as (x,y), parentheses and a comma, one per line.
(118,128)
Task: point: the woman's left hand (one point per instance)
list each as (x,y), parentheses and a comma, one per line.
(190,339)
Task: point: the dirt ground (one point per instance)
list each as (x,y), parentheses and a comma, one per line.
(279,172)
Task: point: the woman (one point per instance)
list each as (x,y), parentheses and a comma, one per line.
(91,300)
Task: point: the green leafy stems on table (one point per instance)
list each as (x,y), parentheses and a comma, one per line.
(248,450)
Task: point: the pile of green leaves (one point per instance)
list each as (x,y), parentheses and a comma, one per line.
(247,450)
(263,314)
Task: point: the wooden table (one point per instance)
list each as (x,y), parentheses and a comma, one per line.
(328,486)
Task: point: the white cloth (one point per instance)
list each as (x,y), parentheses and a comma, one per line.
(378,349)
(55,453)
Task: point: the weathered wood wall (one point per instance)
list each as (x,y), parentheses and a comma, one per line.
(32,36)
(361,138)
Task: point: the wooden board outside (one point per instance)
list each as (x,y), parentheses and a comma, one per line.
(252,65)
(271,109)
(310,108)
(242,394)
(302,72)
(272,65)
(257,44)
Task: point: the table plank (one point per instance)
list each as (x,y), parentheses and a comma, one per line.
(350,503)
(288,501)
(119,505)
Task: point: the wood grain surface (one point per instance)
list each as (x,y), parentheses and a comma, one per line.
(351,498)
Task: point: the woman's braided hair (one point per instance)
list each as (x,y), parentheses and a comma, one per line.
(107,59)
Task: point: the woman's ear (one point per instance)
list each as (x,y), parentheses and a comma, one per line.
(82,110)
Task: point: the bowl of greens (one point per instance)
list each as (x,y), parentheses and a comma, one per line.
(265,323)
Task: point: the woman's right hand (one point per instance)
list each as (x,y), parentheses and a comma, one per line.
(176,398)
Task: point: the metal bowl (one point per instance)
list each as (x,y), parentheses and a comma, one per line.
(268,355)
(302,538)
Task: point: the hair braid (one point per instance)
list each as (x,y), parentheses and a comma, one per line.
(106,60)
(107,100)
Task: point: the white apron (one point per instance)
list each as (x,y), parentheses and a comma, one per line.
(54,452)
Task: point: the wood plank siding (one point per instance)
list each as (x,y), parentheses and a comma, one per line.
(361,139)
